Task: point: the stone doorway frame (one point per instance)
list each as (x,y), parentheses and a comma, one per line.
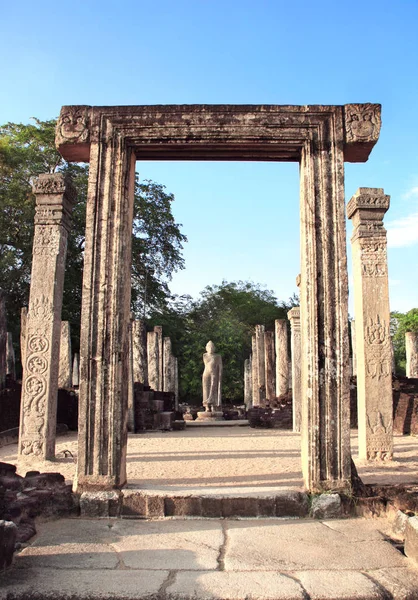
(320,138)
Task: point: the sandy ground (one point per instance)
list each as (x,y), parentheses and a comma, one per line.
(227,457)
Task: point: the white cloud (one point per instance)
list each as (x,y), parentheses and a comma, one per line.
(403,232)
(412,193)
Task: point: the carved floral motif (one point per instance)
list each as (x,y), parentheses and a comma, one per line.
(362,122)
(373,258)
(46,241)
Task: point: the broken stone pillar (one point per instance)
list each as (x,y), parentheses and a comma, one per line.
(282,360)
(373,342)
(153,360)
(3,342)
(411,346)
(353,348)
(175,370)
(131,397)
(23,318)
(10,357)
(270,365)
(159,331)
(55,197)
(296,355)
(65,364)
(260,364)
(76,371)
(139,352)
(254,374)
(248,384)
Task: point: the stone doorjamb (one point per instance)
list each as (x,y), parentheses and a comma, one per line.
(320,138)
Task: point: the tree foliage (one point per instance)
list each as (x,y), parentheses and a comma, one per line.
(401,323)
(29,150)
(225,314)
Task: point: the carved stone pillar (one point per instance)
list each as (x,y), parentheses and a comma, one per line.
(282,361)
(159,331)
(131,397)
(65,364)
(139,351)
(55,197)
(248,384)
(411,346)
(296,354)
(104,345)
(373,343)
(261,364)
(76,371)
(23,318)
(254,372)
(270,364)
(153,353)
(175,370)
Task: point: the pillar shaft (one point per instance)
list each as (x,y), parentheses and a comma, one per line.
(131,396)
(248,384)
(270,364)
(296,358)
(139,352)
(159,332)
(373,343)
(10,357)
(282,361)
(55,197)
(353,348)
(261,364)
(153,353)
(411,346)
(254,372)
(23,318)
(65,364)
(104,347)
(325,428)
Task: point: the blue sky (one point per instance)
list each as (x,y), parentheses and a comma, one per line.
(242,219)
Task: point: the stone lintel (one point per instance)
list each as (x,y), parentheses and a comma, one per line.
(215,132)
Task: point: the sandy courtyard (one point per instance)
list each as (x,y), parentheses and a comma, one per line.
(224,457)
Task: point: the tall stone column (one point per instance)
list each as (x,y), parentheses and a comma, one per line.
(373,343)
(131,397)
(153,353)
(353,347)
(325,427)
(270,364)
(23,318)
(65,364)
(175,370)
(10,357)
(254,372)
(248,384)
(296,359)
(104,344)
(139,352)
(3,342)
(261,364)
(170,368)
(282,361)
(411,346)
(159,332)
(76,371)
(55,197)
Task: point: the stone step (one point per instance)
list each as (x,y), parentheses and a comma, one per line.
(136,503)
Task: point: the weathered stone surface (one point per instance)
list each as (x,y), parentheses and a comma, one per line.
(170,369)
(100,504)
(411,539)
(3,342)
(261,364)
(353,347)
(131,396)
(373,343)
(270,365)
(153,360)
(399,524)
(10,357)
(23,319)
(411,346)
(326,506)
(351,585)
(104,343)
(8,533)
(212,380)
(159,333)
(139,351)
(55,197)
(76,371)
(282,367)
(254,372)
(285,133)
(296,353)
(65,364)
(248,384)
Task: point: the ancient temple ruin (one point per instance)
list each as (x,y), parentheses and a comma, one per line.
(320,139)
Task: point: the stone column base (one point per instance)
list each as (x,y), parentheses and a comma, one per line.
(210,416)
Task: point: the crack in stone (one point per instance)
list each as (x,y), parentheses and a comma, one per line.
(222,549)
(171,578)
(305,593)
(121,565)
(384,593)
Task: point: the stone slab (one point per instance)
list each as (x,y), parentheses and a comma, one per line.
(352,585)
(301,545)
(411,539)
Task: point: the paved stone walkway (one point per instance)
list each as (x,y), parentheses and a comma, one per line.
(211,559)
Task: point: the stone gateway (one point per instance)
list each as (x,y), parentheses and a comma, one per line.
(320,139)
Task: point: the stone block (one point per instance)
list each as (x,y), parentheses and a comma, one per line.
(411,539)
(100,504)
(211,506)
(183,506)
(399,524)
(155,506)
(326,506)
(8,533)
(134,504)
(239,507)
(267,507)
(292,504)
(369,507)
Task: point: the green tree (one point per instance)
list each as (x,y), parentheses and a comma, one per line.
(29,150)
(400,324)
(225,314)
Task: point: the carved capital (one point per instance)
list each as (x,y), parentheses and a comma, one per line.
(294,314)
(362,128)
(55,183)
(370,203)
